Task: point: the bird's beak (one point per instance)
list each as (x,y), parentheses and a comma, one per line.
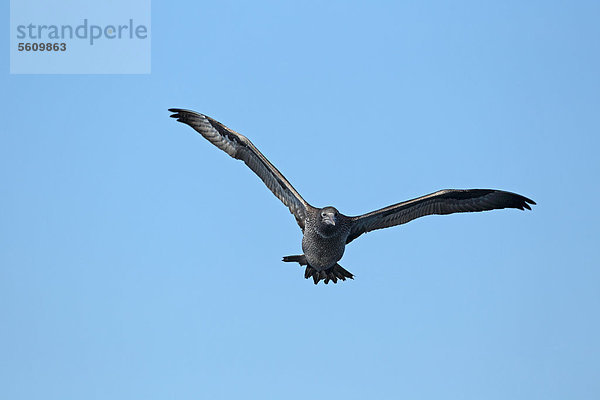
(329,219)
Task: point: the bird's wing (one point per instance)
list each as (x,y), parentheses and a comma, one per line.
(441,202)
(239,147)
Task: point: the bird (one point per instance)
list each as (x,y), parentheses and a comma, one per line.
(326,231)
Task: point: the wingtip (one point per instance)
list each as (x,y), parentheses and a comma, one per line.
(527,202)
(184,116)
(181,115)
(521,202)
(176,113)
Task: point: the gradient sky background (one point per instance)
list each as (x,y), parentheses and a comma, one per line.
(137,261)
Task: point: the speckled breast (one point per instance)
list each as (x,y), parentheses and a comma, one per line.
(322,253)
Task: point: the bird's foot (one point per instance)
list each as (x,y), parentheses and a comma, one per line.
(301,259)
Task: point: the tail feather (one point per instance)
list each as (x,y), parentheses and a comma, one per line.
(335,273)
(332,274)
(308,272)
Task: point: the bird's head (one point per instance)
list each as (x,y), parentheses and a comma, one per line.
(328,217)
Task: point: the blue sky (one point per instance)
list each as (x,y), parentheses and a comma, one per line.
(138,261)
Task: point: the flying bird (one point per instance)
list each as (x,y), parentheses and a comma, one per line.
(326,231)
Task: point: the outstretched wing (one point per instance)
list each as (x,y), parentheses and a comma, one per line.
(441,202)
(239,147)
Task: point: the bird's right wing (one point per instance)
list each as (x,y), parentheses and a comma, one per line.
(441,202)
(239,147)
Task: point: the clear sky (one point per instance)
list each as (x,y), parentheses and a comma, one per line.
(137,261)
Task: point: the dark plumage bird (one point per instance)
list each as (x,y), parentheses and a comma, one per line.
(326,230)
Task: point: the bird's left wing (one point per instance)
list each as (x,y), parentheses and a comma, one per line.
(241,148)
(441,202)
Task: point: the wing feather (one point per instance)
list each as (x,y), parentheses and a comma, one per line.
(241,148)
(441,202)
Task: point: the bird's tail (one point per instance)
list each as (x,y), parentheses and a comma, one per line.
(330,274)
